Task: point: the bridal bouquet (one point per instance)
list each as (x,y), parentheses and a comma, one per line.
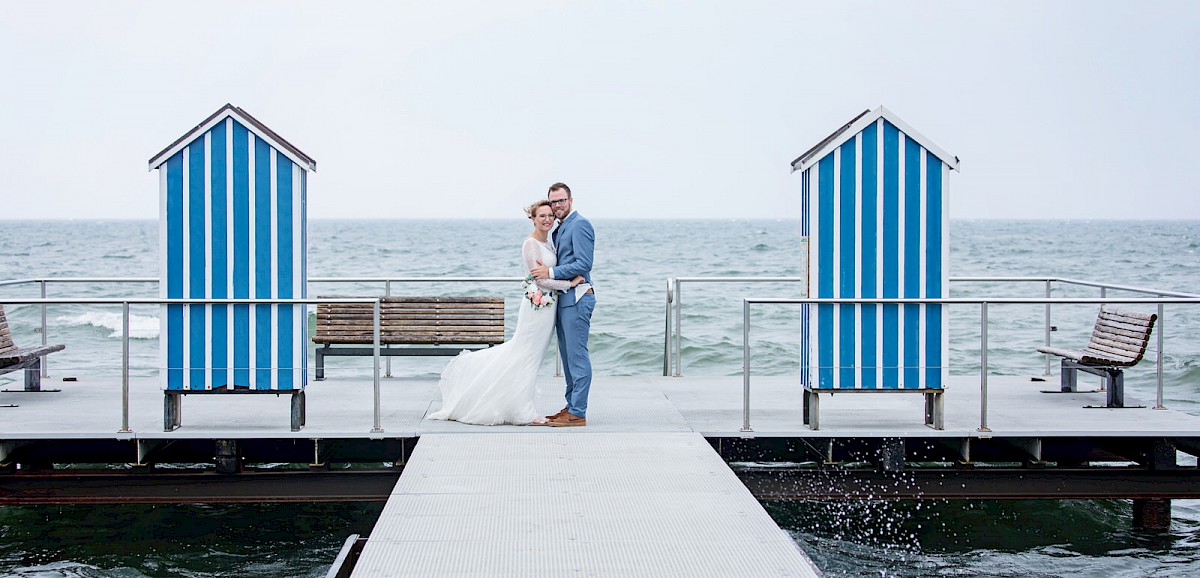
(536,296)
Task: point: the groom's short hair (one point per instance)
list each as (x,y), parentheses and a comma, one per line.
(559,186)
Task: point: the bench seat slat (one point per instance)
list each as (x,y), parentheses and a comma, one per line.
(1067,353)
(25,353)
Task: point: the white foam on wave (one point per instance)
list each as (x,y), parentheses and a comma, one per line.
(140,326)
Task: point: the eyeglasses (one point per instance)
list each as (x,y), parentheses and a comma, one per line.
(560,201)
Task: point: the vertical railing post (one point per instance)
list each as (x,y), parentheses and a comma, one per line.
(983,366)
(667,335)
(125,367)
(746,365)
(678,330)
(375,328)
(1159,362)
(1047,356)
(45,358)
(387,292)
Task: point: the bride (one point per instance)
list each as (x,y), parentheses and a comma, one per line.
(496,385)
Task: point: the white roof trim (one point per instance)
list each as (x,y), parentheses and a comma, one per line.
(868,119)
(219,118)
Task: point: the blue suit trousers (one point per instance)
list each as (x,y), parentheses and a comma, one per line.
(572,327)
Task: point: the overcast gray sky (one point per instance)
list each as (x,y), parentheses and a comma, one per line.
(656,109)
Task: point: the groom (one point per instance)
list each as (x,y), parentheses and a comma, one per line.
(575,242)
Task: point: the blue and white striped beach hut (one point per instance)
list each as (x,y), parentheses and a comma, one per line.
(875,210)
(232,224)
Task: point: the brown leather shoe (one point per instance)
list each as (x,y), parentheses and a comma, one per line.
(567,419)
(560,412)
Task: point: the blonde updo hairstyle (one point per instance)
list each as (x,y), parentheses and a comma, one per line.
(531,210)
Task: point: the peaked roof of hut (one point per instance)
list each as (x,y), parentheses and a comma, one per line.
(856,125)
(250,122)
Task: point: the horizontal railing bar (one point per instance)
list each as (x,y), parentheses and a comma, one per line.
(310,280)
(1130,288)
(164,301)
(414,279)
(83,280)
(1080,282)
(974,300)
(739,279)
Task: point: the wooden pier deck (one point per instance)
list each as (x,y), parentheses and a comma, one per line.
(556,503)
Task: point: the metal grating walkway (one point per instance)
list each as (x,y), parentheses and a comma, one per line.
(574,503)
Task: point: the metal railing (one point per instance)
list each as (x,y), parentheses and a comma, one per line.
(673,332)
(1048,327)
(126,302)
(43,283)
(675,298)
(983,304)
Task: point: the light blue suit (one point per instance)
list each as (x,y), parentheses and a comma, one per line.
(575,243)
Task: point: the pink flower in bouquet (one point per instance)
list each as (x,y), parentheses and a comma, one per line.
(538,297)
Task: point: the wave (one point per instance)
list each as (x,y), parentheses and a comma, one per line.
(140,326)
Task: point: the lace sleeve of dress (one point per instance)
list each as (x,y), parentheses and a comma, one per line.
(531,252)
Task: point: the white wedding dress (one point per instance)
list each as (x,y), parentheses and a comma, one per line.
(496,385)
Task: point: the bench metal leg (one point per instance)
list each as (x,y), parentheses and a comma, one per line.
(298,407)
(1069,377)
(33,375)
(171,411)
(320,365)
(1116,387)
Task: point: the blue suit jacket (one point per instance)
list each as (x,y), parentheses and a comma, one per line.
(575,241)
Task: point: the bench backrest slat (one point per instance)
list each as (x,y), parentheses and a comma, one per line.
(6,340)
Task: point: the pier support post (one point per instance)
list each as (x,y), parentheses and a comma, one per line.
(891,455)
(227,457)
(1162,455)
(1152,515)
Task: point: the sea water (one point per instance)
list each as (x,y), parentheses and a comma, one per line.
(634,260)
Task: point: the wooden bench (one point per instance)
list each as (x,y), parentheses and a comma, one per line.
(1119,340)
(435,326)
(13,358)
